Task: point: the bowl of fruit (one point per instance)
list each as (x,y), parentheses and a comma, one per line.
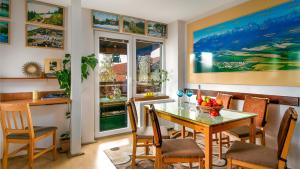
(209,105)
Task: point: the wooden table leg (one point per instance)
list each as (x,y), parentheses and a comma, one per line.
(208,148)
(220,145)
(252,130)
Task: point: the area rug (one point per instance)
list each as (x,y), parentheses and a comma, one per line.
(121,157)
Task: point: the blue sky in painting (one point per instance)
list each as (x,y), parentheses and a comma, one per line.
(102,16)
(241,22)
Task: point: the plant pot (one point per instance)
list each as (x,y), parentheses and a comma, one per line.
(65,145)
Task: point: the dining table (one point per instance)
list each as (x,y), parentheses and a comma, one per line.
(189,115)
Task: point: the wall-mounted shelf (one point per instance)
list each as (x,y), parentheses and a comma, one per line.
(26,78)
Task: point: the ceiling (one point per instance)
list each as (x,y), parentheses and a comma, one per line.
(157,10)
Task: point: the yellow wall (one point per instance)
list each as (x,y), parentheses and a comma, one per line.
(276,78)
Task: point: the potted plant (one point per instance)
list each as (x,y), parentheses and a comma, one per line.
(88,63)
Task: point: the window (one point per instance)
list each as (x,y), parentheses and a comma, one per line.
(148,63)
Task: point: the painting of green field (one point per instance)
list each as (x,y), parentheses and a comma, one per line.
(4,8)
(42,13)
(44,37)
(133,25)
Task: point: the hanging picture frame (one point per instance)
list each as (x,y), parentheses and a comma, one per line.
(156,29)
(106,21)
(52,65)
(44,14)
(5,9)
(134,25)
(4,32)
(37,36)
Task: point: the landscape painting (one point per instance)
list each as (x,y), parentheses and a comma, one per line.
(4,8)
(133,25)
(41,13)
(106,21)
(4,32)
(268,40)
(44,37)
(157,29)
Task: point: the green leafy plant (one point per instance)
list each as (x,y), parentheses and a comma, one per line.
(88,63)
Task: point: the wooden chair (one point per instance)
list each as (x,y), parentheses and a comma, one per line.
(17,128)
(141,137)
(253,105)
(173,150)
(255,156)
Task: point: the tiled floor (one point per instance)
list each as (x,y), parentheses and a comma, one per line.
(94,157)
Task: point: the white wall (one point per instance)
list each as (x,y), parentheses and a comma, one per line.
(16,54)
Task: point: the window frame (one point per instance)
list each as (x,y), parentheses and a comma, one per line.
(134,63)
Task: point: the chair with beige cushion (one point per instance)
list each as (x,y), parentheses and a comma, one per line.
(253,105)
(141,137)
(17,128)
(255,156)
(173,150)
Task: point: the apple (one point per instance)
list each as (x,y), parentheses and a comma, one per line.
(214,113)
(199,100)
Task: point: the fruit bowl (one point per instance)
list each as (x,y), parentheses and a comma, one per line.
(208,109)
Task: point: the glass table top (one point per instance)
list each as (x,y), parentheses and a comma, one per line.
(189,112)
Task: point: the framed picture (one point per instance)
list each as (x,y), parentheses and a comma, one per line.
(4,32)
(133,25)
(44,14)
(106,21)
(52,65)
(37,36)
(156,29)
(5,8)
(260,48)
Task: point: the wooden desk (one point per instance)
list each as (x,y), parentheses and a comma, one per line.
(203,123)
(31,102)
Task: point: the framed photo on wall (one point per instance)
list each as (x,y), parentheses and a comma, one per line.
(52,65)
(106,21)
(44,14)
(133,25)
(4,8)
(156,29)
(4,32)
(37,36)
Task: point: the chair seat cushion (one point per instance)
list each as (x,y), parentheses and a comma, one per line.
(181,148)
(251,153)
(38,131)
(147,133)
(242,131)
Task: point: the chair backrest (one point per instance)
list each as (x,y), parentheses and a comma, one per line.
(132,114)
(259,106)
(16,119)
(286,132)
(225,98)
(155,126)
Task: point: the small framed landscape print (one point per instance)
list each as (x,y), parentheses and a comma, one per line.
(106,21)
(44,14)
(133,25)
(37,36)
(52,65)
(5,8)
(156,29)
(4,32)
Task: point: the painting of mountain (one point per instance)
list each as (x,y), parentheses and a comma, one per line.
(268,40)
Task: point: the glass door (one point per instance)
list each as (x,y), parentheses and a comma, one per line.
(113,51)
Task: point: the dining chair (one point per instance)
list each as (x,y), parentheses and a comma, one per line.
(141,137)
(17,128)
(252,105)
(256,156)
(170,151)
